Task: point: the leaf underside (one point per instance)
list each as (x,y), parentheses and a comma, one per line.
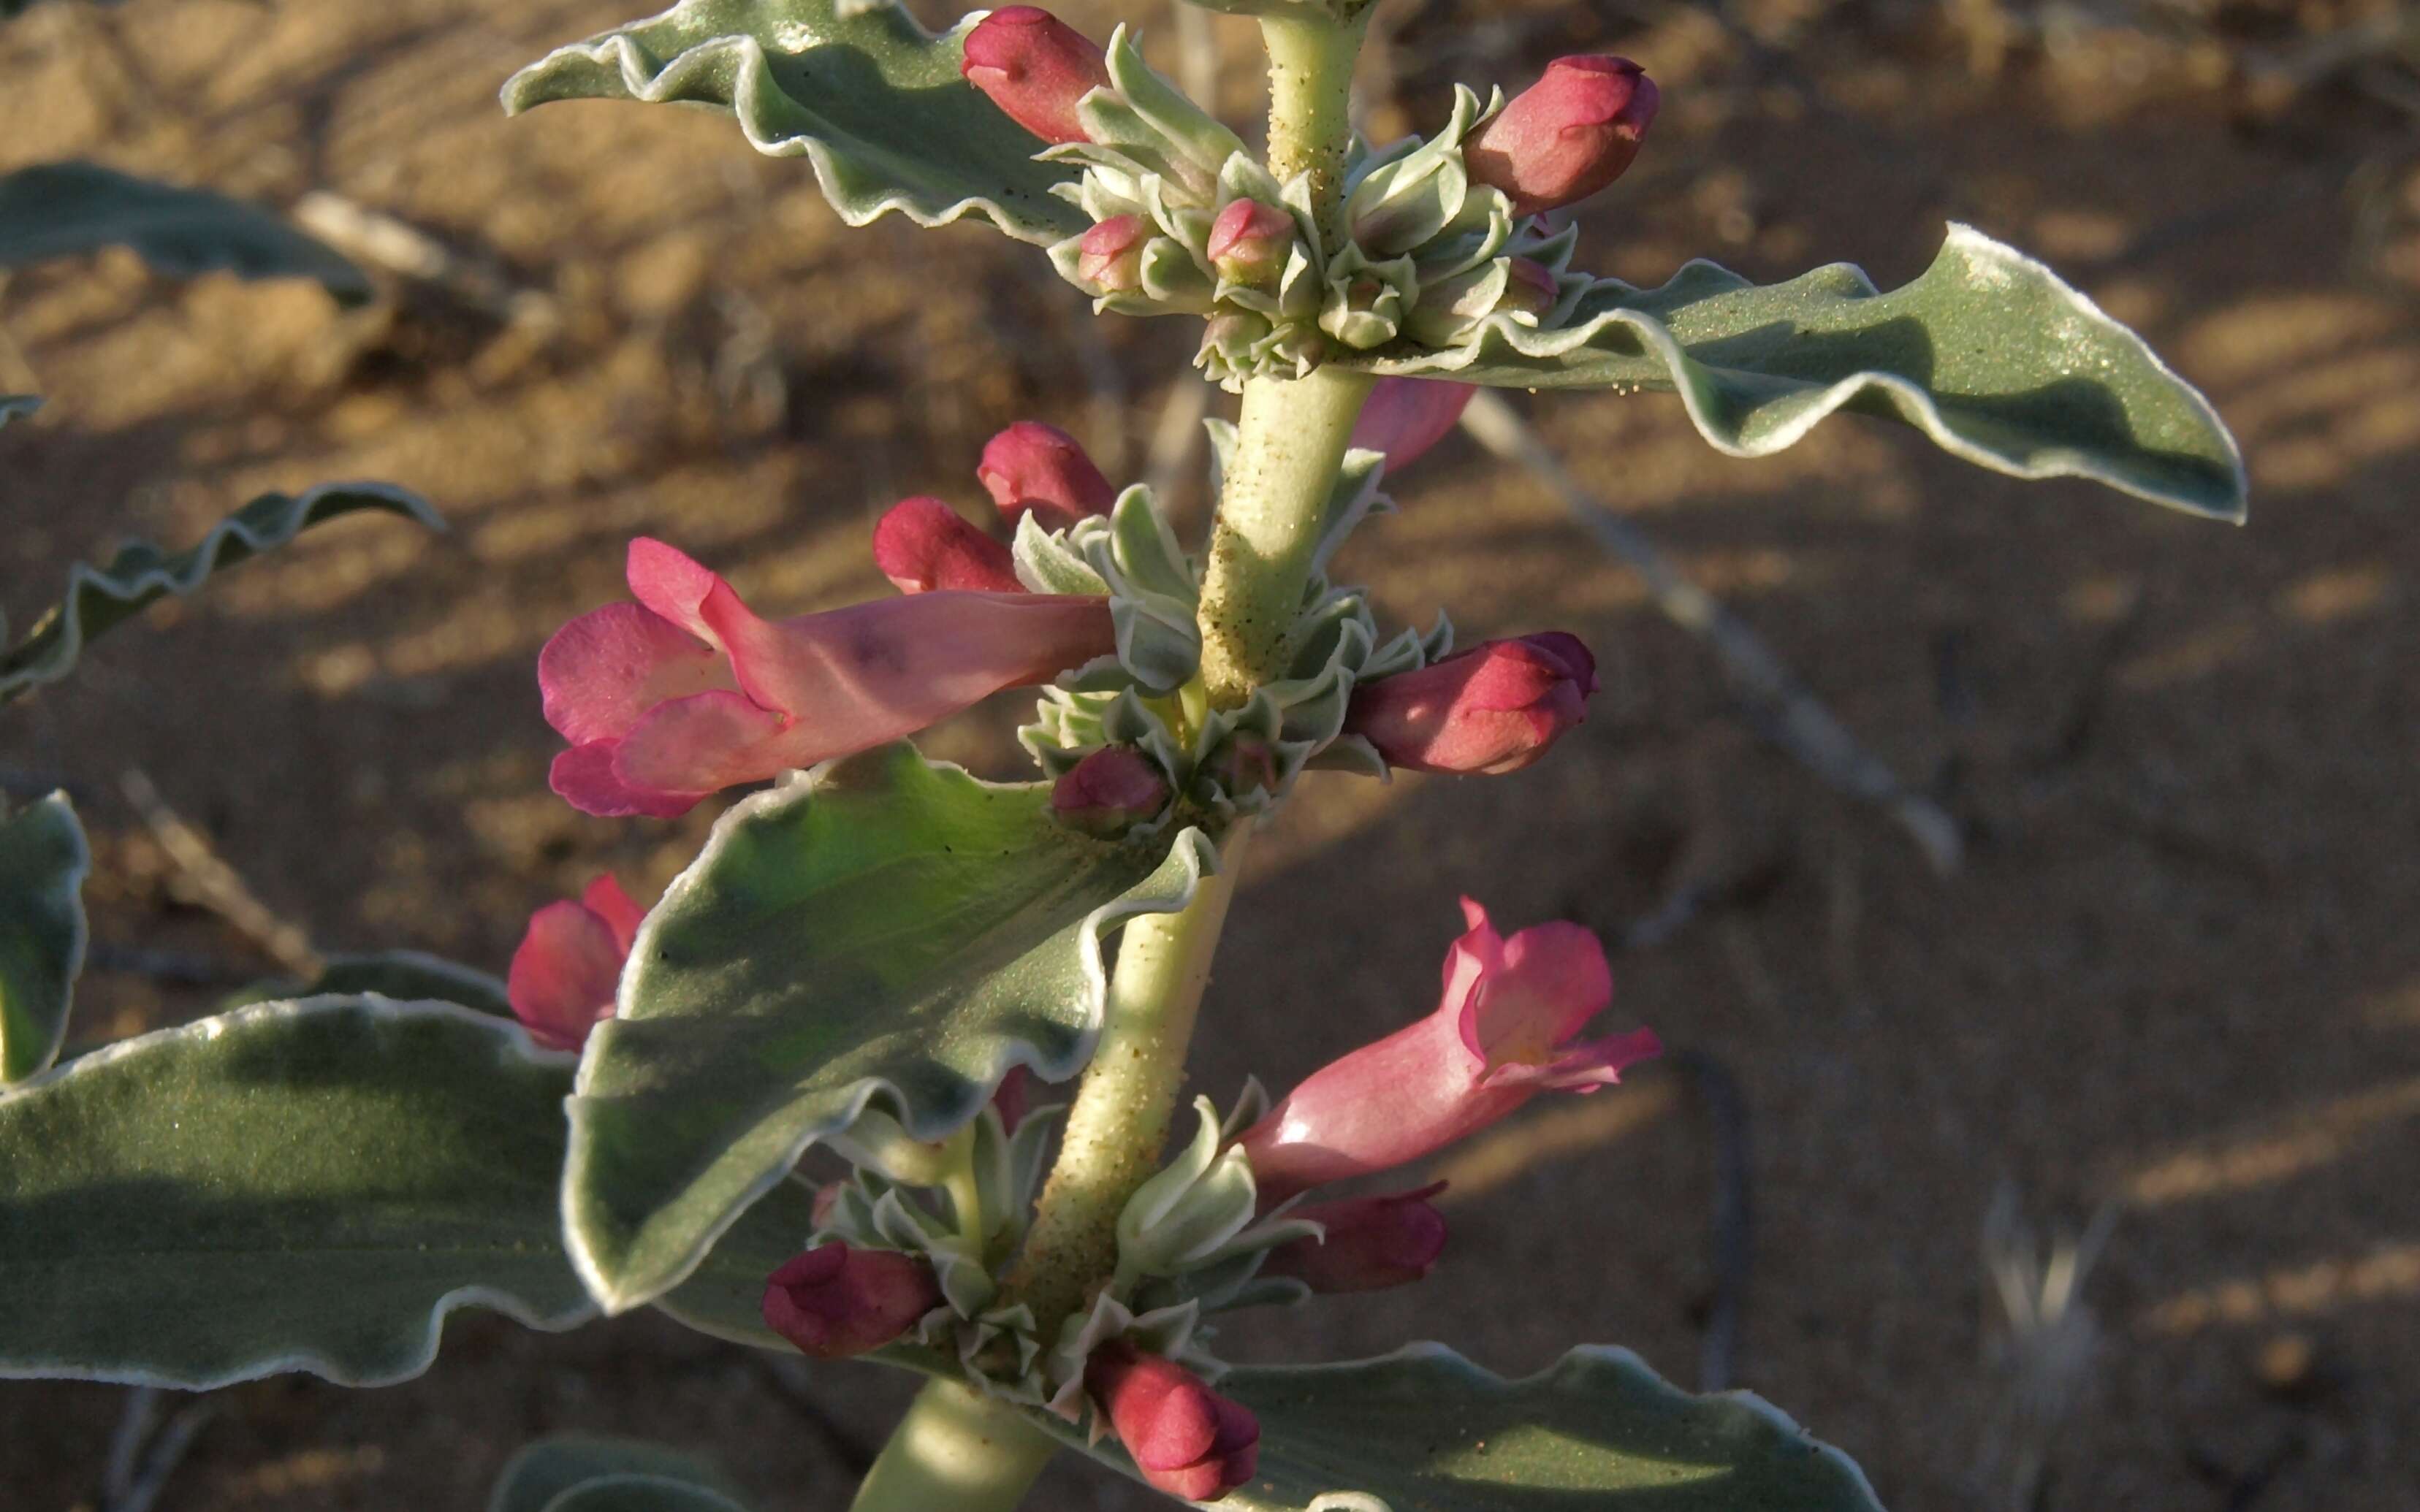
(65,209)
(292,1187)
(882,926)
(606,1474)
(871,99)
(1987,352)
(98,598)
(43,859)
(1425,1430)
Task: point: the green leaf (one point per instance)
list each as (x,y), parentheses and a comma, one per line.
(99,598)
(406,976)
(17,407)
(545,1473)
(1987,352)
(725,1295)
(868,98)
(293,1186)
(65,209)
(1425,1430)
(880,927)
(43,859)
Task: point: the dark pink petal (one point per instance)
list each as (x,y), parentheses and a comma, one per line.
(1036,68)
(607,902)
(1566,136)
(1372,1243)
(708,742)
(599,673)
(1583,1067)
(1038,469)
(1014,1097)
(1110,791)
(834,1302)
(585,776)
(1546,983)
(923,543)
(1404,417)
(673,584)
(564,974)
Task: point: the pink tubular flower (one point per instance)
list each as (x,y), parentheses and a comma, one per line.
(1032,468)
(1109,256)
(688,692)
(1036,67)
(1248,241)
(1500,1035)
(921,544)
(834,1302)
(1566,136)
(1403,417)
(1372,1243)
(569,962)
(1489,710)
(1109,791)
(1188,1440)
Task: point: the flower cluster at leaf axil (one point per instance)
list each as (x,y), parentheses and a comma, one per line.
(1434,237)
(1085,592)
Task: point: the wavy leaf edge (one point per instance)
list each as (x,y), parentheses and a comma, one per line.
(57,811)
(1192,852)
(1914,403)
(511,1041)
(31,663)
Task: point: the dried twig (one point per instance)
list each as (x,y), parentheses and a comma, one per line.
(397,245)
(140,1458)
(215,884)
(1781,706)
(1732,1223)
(2048,1345)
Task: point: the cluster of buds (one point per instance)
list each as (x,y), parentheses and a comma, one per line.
(1439,236)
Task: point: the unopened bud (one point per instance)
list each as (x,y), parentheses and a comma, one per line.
(1036,67)
(1372,1243)
(1188,1440)
(1566,136)
(1110,791)
(922,544)
(1032,468)
(1249,242)
(1109,256)
(834,1302)
(1492,709)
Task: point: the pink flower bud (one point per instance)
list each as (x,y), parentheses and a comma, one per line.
(922,544)
(1404,417)
(688,692)
(1038,469)
(1249,242)
(1492,709)
(827,1201)
(834,1302)
(1109,256)
(1188,1440)
(1013,1098)
(569,962)
(1372,1243)
(1502,1032)
(1110,791)
(1566,136)
(1036,67)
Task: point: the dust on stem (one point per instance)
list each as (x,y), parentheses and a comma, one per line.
(1114,1131)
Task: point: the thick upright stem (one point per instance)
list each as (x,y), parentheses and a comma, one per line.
(1124,1105)
(1290,445)
(1310,91)
(954,1450)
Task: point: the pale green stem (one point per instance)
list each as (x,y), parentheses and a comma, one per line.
(1290,444)
(955,1452)
(1112,1139)
(1311,93)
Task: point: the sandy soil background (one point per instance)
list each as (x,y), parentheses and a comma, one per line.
(2177,977)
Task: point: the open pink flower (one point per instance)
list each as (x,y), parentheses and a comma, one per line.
(1188,1440)
(1403,417)
(1374,1242)
(921,544)
(686,692)
(834,1302)
(569,962)
(1501,1034)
